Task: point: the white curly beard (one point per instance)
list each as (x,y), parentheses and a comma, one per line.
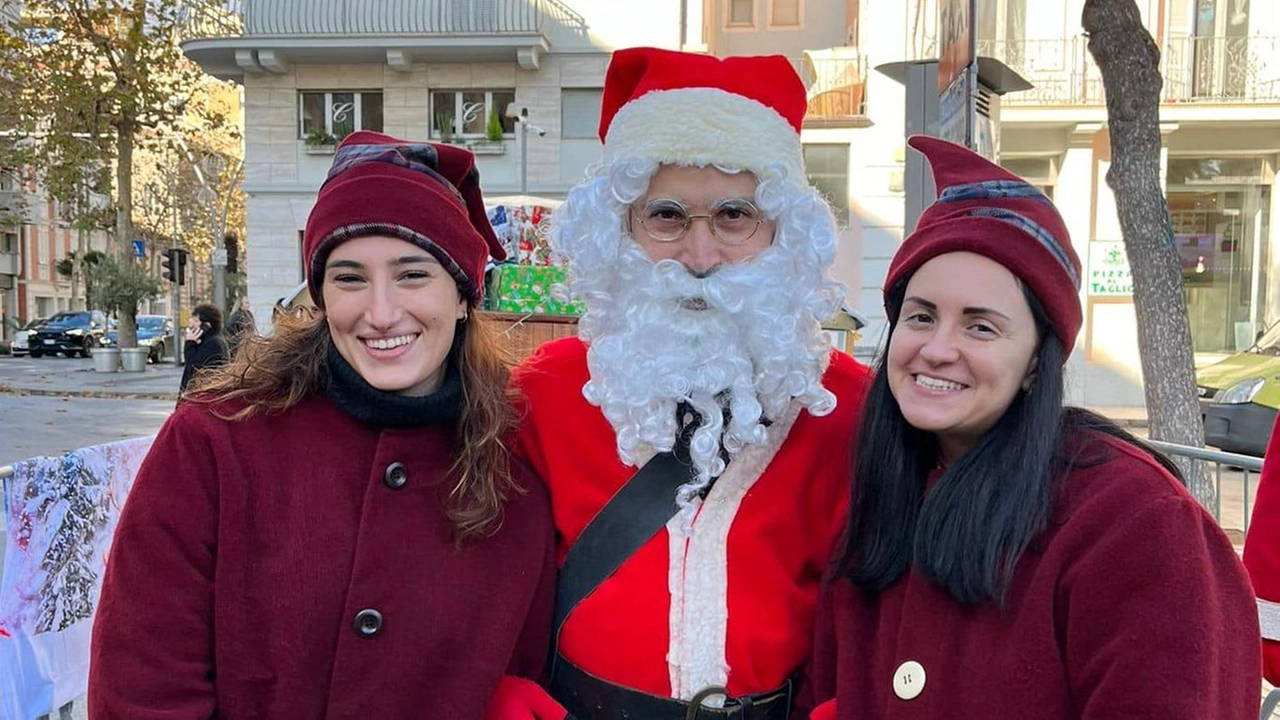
(746,337)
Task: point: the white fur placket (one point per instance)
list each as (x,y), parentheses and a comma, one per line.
(698,571)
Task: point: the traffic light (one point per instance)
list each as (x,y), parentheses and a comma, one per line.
(229,242)
(167,265)
(174,266)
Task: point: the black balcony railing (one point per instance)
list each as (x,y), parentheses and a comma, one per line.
(237,18)
(1195,70)
(835,81)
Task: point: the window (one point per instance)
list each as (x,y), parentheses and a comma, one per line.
(827,167)
(9,242)
(338,113)
(784,13)
(742,12)
(466,112)
(580,114)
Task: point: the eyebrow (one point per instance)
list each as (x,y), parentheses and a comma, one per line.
(973,310)
(402,260)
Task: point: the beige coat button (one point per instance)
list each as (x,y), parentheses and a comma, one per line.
(908,680)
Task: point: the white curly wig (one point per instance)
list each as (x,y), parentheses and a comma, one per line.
(756,348)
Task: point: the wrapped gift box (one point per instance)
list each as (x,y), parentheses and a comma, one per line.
(516,288)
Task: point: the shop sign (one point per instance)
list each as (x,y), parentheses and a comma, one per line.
(1109,273)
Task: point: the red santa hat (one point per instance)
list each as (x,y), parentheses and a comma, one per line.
(984,209)
(689,109)
(427,194)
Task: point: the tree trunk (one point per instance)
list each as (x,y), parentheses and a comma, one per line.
(1129,62)
(126,329)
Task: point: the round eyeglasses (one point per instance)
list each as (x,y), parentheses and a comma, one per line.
(733,222)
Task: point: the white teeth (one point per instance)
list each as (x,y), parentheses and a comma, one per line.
(388,343)
(937,384)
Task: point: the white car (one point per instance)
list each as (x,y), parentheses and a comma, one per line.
(20,346)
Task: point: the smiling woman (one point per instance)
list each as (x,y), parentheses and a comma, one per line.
(1007,556)
(346,510)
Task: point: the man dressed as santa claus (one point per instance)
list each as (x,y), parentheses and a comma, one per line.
(696,435)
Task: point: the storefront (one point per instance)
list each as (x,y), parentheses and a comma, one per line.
(1220,208)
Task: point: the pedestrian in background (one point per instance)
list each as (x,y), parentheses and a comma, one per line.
(331,526)
(240,325)
(205,346)
(1008,557)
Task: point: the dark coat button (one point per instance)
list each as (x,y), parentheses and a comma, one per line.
(368,623)
(395,476)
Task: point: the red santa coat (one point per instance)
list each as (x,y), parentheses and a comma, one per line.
(729,604)
(1131,605)
(1262,556)
(249,551)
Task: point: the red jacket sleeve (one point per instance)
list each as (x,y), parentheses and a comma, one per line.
(1262,557)
(151,655)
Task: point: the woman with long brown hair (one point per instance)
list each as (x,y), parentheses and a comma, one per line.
(331,526)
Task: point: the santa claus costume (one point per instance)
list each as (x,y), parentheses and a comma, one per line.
(714,608)
(1262,557)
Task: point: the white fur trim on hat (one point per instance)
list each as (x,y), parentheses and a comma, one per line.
(704,126)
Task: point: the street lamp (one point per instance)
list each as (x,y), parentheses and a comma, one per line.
(521,116)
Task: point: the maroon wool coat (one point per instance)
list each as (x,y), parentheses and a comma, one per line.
(248,549)
(1131,606)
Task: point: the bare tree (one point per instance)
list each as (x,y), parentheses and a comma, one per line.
(1129,61)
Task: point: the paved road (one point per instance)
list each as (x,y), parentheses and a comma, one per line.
(46,412)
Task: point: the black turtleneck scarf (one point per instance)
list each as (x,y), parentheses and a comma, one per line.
(379,409)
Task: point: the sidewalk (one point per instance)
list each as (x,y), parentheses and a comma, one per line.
(157,382)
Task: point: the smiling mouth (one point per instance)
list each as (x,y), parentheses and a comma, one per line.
(695,303)
(390,343)
(932,383)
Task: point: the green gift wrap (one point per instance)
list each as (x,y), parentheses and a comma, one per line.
(527,289)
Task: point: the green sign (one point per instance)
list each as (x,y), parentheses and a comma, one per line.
(1109,273)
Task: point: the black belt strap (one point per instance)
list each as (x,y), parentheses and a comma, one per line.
(631,517)
(586,696)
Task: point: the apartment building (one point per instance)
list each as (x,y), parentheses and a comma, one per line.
(35,236)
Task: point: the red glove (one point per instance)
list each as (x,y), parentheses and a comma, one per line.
(825,711)
(519,699)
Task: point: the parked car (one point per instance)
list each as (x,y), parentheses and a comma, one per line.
(154,332)
(1240,395)
(69,333)
(21,338)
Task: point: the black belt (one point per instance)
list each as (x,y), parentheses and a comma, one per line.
(587,697)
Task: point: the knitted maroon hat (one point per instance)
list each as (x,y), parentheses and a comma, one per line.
(427,194)
(694,109)
(984,209)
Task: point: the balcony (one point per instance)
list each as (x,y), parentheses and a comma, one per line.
(256,36)
(1202,70)
(835,80)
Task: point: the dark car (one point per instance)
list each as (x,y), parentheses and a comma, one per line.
(154,332)
(69,333)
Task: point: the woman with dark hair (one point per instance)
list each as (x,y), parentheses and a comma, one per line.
(1007,557)
(332,526)
(205,345)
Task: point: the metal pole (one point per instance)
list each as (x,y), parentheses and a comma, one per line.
(524,156)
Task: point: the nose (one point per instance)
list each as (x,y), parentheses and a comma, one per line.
(940,348)
(700,251)
(384,310)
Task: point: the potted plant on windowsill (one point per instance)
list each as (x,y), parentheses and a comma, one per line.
(493,135)
(320,142)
